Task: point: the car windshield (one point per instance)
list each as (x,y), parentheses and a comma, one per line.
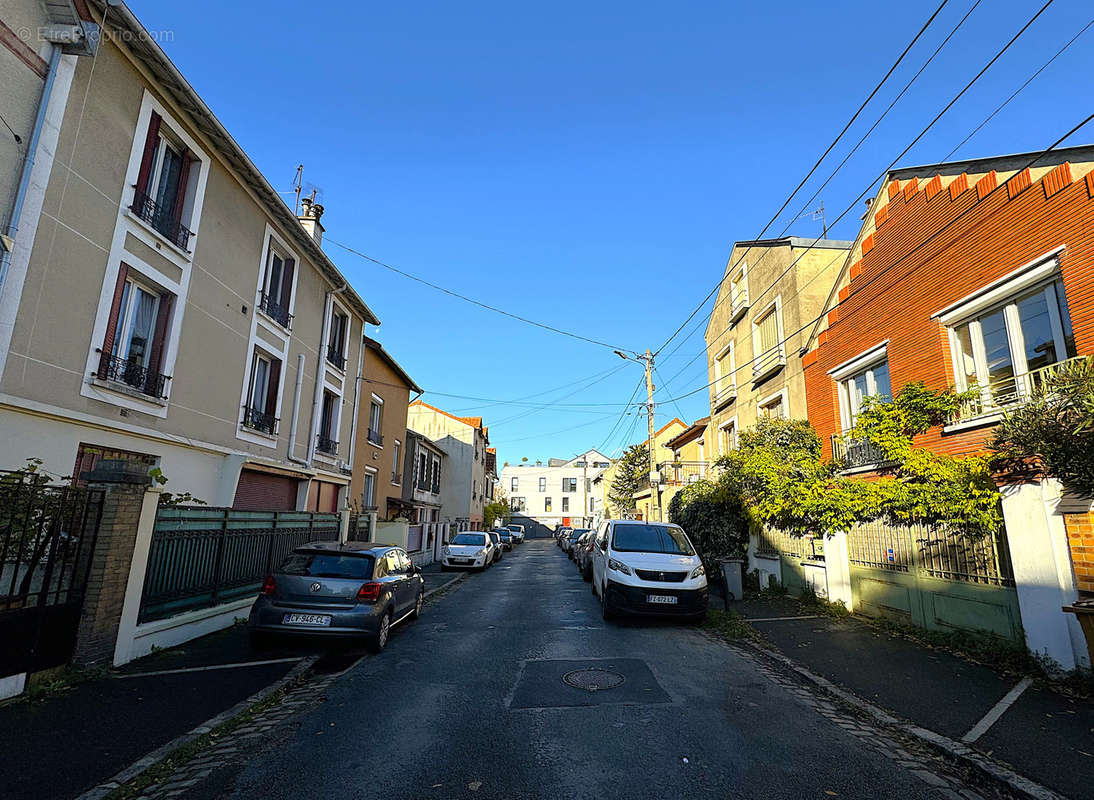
(575,535)
(328,565)
(651,539)
(514,528)
(469,538)
(495,537)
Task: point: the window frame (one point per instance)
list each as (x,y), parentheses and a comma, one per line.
(781,397)
(737,310)
(864,362)
(728,424)
(763,366)
(725,385)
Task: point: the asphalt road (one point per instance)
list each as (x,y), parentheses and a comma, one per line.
(469,702)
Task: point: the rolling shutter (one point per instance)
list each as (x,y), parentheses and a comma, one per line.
(261,491)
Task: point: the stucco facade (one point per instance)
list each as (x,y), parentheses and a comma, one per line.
(562,494)
(464,440)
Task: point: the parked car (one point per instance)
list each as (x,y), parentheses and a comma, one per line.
(571,539)
(505,536)
(648,568)
(518,533)
(561,533)
(357,589)
(583,554)
(495,538)
(472,549)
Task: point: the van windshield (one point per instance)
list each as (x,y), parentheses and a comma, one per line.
(469,538)
(651,539)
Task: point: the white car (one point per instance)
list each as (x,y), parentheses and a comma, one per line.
(648,568)
(469,550)
(517,532)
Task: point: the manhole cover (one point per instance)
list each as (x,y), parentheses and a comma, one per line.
(593,679)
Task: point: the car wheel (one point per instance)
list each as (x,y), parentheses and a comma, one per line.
(378,641)
(605,607)
(418,606)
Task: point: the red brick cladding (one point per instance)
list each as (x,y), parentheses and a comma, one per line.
(975,241)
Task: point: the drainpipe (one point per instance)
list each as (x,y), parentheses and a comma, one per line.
(317,396)
(296,410)
(357,397)
(28,164)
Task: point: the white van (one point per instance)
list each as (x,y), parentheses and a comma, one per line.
(648,568)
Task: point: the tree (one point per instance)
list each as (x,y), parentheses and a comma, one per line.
(634,463)
(1054,432)
(713,519)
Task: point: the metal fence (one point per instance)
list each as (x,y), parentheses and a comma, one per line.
(945,555)
(202,557)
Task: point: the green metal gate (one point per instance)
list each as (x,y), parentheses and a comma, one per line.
(938,581)
(792,552)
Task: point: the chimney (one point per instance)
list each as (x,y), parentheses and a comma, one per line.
(310,212)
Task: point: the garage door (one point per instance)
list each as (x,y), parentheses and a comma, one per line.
(261,491)
(323,496)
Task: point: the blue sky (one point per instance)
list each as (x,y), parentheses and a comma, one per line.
(590,164)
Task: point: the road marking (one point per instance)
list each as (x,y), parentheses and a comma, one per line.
(206,669)
(780,619)
(1000,708)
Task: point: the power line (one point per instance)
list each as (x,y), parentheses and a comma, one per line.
(823,156)
(622,413)
(605,372)
(582,388)
(473,301)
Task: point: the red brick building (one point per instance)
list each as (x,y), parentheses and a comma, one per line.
(974,273)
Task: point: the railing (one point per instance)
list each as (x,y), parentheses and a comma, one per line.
(950,556)
(435,487)
(679,473)
(375,437)
(273,309)
(1006,393)
(738,304)
(768,362)
(201,557)
(396,477)
(855,452)
(143,379)
(327,445)
(335,357)
(162,219)
(725,394)
(259,420)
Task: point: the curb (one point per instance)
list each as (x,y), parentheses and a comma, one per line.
(444,586)
(958,750)
(141,765)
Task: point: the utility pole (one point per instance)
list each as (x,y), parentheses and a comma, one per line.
(655,499)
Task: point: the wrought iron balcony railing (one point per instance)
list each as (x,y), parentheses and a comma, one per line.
(272,308)
(162,219)
(435,487)
(143,379)
(335,357)
(854,453)
(769,362)
(678,473)
(999,395)
(327,445)
(375,437)
(725,394)
(259,420)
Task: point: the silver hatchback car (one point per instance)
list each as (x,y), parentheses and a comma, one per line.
(357,589)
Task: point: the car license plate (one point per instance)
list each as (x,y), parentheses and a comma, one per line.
(460,560)
(307,619)
(666,599)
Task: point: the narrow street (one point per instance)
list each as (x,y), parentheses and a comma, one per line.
(469,701)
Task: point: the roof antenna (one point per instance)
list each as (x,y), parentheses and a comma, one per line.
(815,215)
(297,183)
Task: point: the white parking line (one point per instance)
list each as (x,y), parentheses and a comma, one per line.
(1000,708)
(780,619)
(181,670)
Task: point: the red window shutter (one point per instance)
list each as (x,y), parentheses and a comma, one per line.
(286,282)
(85,462)
(150,142)
(271,387)
(112,321)
(184,177)
(159,337)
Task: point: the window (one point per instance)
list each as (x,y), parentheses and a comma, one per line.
(601,464)
(336,345)
(592,504)
(543,484)
(396,466)
(277,288)
(136,333)
(375,420)
(546,503)
(435,478)
(767,332)
(773,407)
(161,195)
(474,488)
(517,504)
(738,292)
(1005,349)
(513,484)
(260,413)
(727,437)
(569,484)
(327,422)
(565,504)
(588,485)
(725,378)
(423,471)
(368,496)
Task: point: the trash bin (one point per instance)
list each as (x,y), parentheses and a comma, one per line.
(733,573)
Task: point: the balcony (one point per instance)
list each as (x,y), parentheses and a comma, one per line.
(272,308)
(335,357)
(738,305)
(375,437)
(769,363)
(680,473)
(326,445)
(1000,395)
(854,453)
(162,220)
(259,421)
(143,379)
(435,487)
(724,396)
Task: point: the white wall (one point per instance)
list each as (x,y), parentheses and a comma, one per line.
(528,488)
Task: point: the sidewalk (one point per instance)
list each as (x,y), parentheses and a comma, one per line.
(1043,735)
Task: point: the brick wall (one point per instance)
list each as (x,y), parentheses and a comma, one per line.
(979,236)
(1080,540)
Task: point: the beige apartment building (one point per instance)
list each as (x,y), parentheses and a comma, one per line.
(165,305)
(466,487)
(772,290)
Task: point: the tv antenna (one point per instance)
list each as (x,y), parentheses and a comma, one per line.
(816,214)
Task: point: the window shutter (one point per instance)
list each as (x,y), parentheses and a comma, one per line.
(159,337)
(150,142)
(271,387)
(286,282)
(184,176)
(112,320)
